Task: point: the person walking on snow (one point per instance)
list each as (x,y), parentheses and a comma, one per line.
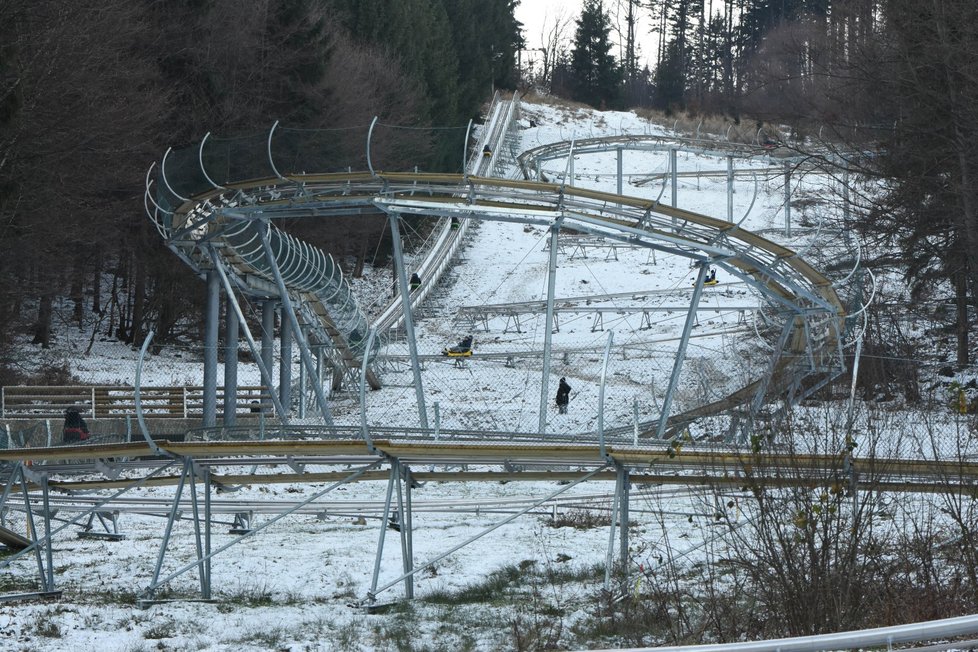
(563,396)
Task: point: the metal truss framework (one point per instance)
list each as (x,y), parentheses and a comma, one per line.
(201,466)
(782,278)
(255,259)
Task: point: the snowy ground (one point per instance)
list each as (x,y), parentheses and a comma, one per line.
(288,588)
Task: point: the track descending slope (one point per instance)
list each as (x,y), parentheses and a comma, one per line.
(204,217)
(812,330)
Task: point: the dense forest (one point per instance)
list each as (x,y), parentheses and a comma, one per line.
(885,88)
(92,93)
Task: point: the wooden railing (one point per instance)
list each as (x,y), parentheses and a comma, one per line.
(111,401)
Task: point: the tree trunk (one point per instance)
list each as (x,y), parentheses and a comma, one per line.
(361,260)
(113,302)
(96,285)
(961,323)
(42,327)
(138,302)
(78,289)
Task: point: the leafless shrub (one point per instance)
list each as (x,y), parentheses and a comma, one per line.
(581,519)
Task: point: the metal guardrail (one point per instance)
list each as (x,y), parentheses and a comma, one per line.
(866,638)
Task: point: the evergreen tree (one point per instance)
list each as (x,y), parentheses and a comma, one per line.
(670,83)
(596,77)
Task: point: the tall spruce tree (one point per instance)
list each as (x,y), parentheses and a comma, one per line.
(596,76)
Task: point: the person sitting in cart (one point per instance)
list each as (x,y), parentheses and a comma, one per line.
(463,348)
(75,429)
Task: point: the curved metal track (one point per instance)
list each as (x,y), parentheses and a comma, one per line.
(203,230)
(782,278)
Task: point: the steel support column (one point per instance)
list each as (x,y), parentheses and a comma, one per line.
(549,325)
(601,389)
(405,292)
(202,568)
(285,363)
(289,311)
(230,362)
(268,322)
(610,556)
(624,488)
(384,520)
(674,176)
(171,519)
(364,364)
(730,188)
(765,381)
(268,345)
(677,365)
(302,385)
(46,506)
(211,326)
(621,153)
(404,510)
(207,532)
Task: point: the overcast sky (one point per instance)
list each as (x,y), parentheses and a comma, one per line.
(538,15)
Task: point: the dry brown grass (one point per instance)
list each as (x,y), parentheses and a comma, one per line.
(746,131)
(686,124)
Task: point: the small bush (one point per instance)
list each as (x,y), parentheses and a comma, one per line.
(46,627)
(161,630)
(581,519)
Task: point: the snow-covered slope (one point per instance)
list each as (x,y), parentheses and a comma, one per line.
(288,588)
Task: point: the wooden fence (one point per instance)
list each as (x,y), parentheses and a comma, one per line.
(110,401)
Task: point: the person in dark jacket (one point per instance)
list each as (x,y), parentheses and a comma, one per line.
(563,396)
(75,428)
(415,282)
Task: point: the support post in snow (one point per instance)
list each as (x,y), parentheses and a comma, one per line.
(171,519)
(674,176)
(548,328)
(289,312)
(210,348)
(267,343)
(674,181)
(205,582)
(621,153)
(601,390)
(730,188)
(610,555)
(623,489)
(285,362)
(364,364)
(677,365)
(404,525)
(264,364)
(384,520)
(230,363)
(405,292)
(302,384)
(207,532)
(46,506)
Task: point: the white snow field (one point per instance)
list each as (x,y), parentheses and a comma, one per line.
(289,587)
